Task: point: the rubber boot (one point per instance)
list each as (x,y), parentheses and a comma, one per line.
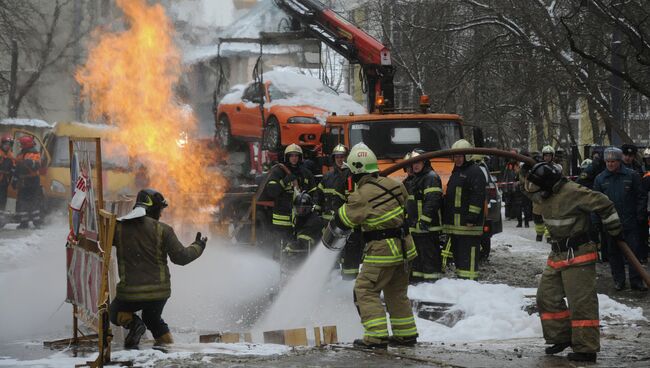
(363,344)
(394,341)
(539,237)
(582,357)
(557,348)
(136,328)
(165,339)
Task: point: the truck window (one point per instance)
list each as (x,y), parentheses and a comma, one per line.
(395,138)
(111,159)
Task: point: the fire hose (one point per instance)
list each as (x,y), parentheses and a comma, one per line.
(515,156)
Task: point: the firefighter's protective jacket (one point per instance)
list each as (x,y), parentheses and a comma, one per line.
(332,192)
(281,190)
(465,201)
(427,195)
(143,245)
(28,165)
(377,205)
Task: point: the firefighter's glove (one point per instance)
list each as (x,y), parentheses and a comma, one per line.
(288,180)
(201,241)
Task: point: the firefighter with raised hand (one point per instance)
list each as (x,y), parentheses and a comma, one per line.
(308,228)
(143,244)
(426,227)
(283,185)
(377,206)
(463,213)
(571,266)
(7,165)
(27,182)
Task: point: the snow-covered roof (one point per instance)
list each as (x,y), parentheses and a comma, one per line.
(35,123)
(263,17)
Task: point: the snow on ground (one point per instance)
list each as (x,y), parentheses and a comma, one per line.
(301,90)
(229,287)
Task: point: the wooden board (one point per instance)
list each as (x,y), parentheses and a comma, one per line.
(330,335)
(295,337)
(223,337)
(317,341)
(274,337)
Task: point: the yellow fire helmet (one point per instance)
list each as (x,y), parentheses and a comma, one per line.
(548,150)
(339,150)
(362,160)
(462,143)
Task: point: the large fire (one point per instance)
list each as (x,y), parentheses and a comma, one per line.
(129,79)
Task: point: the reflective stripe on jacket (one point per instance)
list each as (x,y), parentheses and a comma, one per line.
(465,201)
(373,208)
(427,194)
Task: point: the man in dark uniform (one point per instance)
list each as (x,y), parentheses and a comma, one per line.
(645,187)
(623,187)
(426,227)
(463,213)
(571,266)
(330,194)
(629,158)
(143,244)
(282,186)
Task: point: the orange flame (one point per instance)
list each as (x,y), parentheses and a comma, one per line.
(129,79)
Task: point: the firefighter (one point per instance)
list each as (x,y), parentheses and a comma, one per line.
(571,266)
(548,155)
(463,213)
(143,244)
(377,206)
(426,227)
(7,164)
(307,227)
(282,186)
(329,196)
(27,182)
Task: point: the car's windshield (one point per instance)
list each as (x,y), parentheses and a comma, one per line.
(113,159)
(395,138)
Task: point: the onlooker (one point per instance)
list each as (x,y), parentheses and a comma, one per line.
(623,187)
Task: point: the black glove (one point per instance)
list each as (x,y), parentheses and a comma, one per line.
(201,241)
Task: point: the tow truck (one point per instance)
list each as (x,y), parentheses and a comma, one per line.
(390,132)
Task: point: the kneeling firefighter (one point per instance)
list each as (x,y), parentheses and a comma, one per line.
(307,229)
(571,266)
(377,206)
(143,244)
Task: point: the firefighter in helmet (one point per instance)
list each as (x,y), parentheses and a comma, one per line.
(463,213)
(377,206)
(330,195)
(548,155)
(286,181)
(571,266)
(27,182)
(7,164)
(426,227)
(143,244)
(307,227)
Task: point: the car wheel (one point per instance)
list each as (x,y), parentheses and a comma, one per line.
(271,138)
(222,132)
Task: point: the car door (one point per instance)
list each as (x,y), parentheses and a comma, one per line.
(251,118)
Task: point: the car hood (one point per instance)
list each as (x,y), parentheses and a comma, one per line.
(304,110)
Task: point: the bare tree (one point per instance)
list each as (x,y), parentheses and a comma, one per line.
(43,42)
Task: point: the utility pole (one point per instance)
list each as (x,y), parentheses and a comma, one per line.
(13,80)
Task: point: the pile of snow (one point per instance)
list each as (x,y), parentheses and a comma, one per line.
(490,311)
(301,90)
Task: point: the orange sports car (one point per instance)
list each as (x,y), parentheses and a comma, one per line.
(295,108)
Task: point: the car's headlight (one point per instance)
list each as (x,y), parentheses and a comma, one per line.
(302,120)
(57,186)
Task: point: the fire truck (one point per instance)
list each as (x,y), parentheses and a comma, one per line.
(390,132)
